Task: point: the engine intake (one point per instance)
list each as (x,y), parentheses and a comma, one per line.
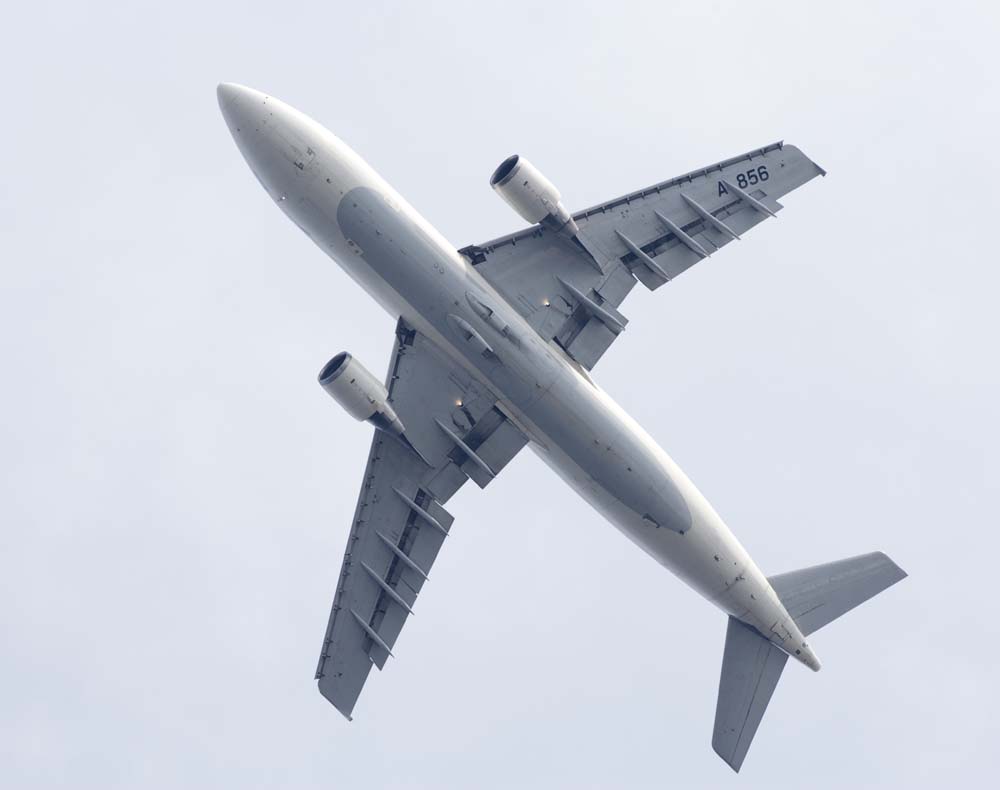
(531,195)
(361,395)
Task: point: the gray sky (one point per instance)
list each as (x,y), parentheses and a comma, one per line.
(176,490)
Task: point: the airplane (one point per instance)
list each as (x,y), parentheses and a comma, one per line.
(493,351)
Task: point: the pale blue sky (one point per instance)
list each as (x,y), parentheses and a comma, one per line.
(176,490)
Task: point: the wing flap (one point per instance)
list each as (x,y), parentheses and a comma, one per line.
(421,541)
(589,341)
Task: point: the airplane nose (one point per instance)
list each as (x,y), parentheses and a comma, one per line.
(225,92)
(277,141)
(234,101)
(245,112)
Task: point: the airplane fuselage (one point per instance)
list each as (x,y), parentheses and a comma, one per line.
(574,426)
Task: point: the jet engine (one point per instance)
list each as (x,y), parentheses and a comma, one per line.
(362,395)
(531,195)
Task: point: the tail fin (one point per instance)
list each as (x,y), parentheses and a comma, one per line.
(752,665)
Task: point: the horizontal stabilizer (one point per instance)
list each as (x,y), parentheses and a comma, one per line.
(818,595)
(751,667)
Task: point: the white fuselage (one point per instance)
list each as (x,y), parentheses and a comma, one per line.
(580,432)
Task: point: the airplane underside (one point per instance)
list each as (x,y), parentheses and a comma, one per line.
(493,351)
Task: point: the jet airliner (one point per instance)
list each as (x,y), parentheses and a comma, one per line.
(493,352)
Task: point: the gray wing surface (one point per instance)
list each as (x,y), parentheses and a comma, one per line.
(456,432)
(569,289)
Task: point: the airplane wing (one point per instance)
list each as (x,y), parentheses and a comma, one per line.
(455,431)
(569,289)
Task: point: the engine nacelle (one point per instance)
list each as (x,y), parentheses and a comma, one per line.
(362,395)
(531,195)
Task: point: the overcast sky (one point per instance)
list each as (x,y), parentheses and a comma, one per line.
(176,490)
